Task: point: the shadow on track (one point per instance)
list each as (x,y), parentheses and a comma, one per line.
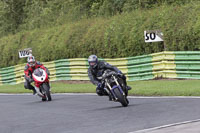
(39,101)
(114,107)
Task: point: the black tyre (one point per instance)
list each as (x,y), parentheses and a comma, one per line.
(123,85)
(44,99)
(47,92)
(121,98)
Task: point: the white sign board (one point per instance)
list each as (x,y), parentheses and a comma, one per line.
(153,36)
(25,53)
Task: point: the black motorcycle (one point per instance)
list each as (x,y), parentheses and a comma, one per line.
(115,87)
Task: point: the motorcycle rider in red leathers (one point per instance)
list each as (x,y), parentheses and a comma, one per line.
(28,70)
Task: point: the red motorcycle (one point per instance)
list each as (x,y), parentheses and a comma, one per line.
(42,88)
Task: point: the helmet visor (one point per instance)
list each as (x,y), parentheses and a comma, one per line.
(93,63)
(32,63)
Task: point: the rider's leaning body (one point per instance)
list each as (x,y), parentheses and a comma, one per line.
(31,65)
(96,69)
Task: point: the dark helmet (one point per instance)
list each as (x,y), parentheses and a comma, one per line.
(31,61)
(93,60)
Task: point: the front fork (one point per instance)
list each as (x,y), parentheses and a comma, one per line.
(38,92)
(41,89)
(112,88)
(119,86)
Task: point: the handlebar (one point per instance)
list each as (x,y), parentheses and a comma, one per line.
(108,74)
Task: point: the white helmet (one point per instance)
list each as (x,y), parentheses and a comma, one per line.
(93,60)
(31,61)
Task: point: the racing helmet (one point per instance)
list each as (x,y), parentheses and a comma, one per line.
(31,61)
(93,60)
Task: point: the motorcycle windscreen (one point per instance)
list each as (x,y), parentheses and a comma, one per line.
(38,72)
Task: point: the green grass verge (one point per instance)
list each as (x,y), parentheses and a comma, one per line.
(166,88)
(141,88)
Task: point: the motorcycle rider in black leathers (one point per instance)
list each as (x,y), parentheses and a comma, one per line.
(96,69)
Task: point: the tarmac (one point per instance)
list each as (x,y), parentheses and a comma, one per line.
(85,113)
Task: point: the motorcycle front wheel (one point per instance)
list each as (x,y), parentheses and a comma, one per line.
(47,92)
(121,98)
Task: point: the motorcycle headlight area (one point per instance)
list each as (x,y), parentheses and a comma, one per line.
(111,80)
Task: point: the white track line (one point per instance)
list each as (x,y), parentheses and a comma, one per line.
(93,94)
(24,94)
(159,97)
(165,126)
(76,94)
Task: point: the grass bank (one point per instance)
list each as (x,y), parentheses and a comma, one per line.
(139,88)
(122,33)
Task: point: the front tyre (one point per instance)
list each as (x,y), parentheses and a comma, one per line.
(47,92)
(121,98)
(44,98)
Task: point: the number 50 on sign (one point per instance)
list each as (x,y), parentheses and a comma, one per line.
(153,36)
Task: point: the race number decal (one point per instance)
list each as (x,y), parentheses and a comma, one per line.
(153,36)
(25,53)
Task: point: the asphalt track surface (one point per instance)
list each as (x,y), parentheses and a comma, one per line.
(91,114)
